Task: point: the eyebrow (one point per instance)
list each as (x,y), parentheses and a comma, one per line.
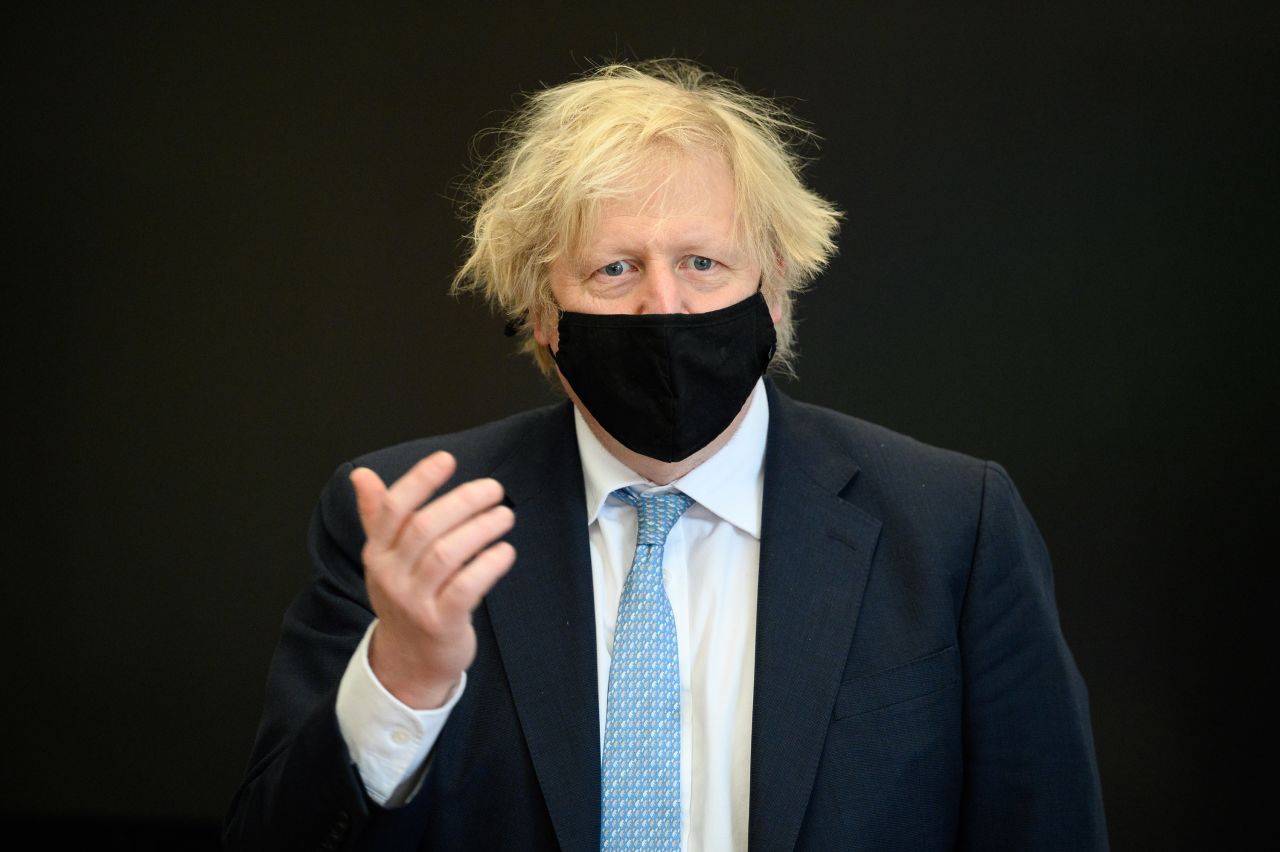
(698,243)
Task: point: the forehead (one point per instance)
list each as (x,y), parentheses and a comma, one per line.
(672,195)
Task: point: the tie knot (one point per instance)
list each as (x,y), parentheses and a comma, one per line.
(658,513)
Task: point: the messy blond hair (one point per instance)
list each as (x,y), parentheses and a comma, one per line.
(573,146)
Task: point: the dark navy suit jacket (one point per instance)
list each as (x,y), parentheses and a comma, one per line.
(913,690)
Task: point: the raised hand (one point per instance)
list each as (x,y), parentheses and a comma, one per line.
(426,569)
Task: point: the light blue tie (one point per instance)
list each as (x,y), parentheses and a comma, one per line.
(640,775)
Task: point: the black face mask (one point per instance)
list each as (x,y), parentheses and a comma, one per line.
(665,385)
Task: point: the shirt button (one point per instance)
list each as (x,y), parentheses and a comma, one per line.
(400,736)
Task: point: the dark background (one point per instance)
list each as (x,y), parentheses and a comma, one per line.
(230,233)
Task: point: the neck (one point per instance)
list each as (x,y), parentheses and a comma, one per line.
(654,470)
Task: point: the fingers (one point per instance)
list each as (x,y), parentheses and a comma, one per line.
(466,587)
(450,552)
(384,511)
(438,517)
(433,542)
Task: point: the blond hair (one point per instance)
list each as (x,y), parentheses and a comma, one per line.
(571,147)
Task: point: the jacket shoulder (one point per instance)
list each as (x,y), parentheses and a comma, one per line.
(881,454)
(479,450)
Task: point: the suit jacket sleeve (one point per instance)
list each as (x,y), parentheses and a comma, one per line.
(1030,776)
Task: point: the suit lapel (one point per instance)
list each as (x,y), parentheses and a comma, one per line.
(544,619)
(815,556)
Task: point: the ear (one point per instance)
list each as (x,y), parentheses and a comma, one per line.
(541,333)
(780,264)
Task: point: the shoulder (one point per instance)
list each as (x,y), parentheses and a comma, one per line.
(922,494)
(882,458)
(479,450)
(925,497)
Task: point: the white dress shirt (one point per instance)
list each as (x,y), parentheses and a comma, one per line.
(710,567)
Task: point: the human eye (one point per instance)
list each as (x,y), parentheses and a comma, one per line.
(614,270)
(698,263)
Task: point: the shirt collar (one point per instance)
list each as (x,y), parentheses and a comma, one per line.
(729,484)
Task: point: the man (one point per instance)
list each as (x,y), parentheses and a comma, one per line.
(680,611)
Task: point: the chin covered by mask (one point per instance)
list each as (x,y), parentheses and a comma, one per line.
(666,385)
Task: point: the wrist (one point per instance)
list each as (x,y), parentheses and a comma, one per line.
(410,681)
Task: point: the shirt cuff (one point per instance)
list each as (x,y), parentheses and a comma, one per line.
(388,741)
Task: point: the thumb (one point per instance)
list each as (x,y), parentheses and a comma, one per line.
(369,489)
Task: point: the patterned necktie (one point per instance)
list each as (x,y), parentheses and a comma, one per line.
(641,761)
